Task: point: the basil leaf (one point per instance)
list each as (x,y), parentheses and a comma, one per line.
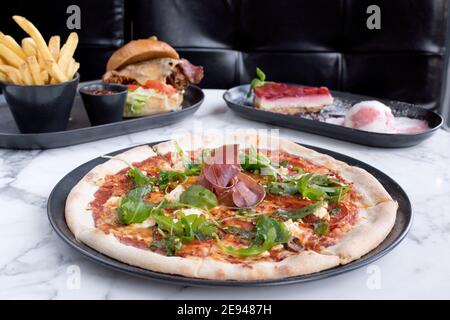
(299,213)
(132,208)
(199,197)
(321,228)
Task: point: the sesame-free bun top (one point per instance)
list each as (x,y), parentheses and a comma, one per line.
(140,50)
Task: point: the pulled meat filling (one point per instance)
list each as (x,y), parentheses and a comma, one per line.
(179,75)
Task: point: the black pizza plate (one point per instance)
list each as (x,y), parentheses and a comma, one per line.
(80,130)
(237,100)
(57,201)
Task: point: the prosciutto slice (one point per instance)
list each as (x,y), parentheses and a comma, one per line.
(222,175)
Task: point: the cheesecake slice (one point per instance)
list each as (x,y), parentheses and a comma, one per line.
(288,99)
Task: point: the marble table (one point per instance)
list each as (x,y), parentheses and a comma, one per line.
(36,264)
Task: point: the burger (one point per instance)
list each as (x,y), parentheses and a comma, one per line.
(155,74)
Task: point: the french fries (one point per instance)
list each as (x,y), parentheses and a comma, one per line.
(3,77)
(12,73)
(9,56)
(26,75)
(53,45)
(34,62)
(11,44)
(35,70)
(29,47)
(67,52)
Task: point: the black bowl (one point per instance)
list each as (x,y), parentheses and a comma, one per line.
(104,108)
(38,109)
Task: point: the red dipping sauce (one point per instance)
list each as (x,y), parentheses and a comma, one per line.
(98,92)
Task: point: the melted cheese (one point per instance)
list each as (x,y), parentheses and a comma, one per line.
(155,69)
(192,211)
(175,194)
(297,231)
(145,224)
(322,212)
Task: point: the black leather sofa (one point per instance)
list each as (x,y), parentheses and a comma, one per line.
(320,42)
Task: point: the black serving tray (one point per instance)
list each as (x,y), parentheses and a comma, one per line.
(237,100)
(57,201)
(80,130)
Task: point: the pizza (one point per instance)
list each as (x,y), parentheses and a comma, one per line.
(242,207)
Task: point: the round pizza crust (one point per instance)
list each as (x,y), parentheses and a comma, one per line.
(377,217)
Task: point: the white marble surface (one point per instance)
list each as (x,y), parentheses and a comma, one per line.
(36,264)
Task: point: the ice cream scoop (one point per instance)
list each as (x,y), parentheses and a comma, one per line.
(371,116)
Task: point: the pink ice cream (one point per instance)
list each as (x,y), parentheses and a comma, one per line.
(370,116)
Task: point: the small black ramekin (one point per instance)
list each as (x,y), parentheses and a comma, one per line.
(38,109)
(104,108)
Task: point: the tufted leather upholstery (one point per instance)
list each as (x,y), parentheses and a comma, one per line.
(320,42)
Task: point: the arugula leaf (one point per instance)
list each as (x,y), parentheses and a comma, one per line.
(240,232)
(321,228)
(269,233)
(132,208)
(263,226)
(191,168)
(137,176)
(298,169)
(281,188)
(299,213)
(284,163)
(187,228)
(166,223)
(336,210)
(321,186)
(167,178)
(199,197)
(255,162)
(168,244)
(196,227)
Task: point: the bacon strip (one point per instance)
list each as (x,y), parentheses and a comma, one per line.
(193,73)
(222,175)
